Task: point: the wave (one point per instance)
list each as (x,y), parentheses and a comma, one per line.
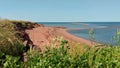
(95,27)
(76,29)
(101,27)
(81,23)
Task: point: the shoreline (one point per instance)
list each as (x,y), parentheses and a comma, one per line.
(65,33)
(42,36)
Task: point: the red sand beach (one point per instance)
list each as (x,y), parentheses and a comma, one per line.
(42,36)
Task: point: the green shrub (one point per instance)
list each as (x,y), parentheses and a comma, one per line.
(103,57)
(95,57)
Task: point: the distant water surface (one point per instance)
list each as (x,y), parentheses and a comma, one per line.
(103,31)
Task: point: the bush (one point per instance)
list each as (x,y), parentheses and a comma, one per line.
(96,57)
(103,57)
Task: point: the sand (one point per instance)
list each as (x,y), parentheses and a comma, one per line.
(42,36)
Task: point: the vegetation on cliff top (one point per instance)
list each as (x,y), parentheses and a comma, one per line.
(12,35)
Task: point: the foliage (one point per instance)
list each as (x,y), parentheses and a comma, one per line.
(91,34)
(117,37)
(95,57)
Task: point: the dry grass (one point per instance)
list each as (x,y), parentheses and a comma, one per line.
(76,49)
(9,43)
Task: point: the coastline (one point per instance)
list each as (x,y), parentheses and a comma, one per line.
(42,36)
(72,38)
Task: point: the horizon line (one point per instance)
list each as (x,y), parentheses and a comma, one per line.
(83,21)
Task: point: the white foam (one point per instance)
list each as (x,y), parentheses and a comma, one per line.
(81,23)
(101,27)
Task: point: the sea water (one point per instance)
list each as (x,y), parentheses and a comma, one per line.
(104,32)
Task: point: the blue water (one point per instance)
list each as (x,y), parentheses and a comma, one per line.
(103,31)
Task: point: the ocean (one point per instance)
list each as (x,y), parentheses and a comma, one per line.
(104,32)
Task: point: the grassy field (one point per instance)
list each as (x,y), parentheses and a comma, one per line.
(67,55)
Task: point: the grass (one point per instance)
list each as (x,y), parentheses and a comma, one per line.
(67,55)
(9,44)
(11,40)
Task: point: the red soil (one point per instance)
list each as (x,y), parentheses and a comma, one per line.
(42,36)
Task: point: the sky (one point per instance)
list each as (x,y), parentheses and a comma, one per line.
(61,10)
